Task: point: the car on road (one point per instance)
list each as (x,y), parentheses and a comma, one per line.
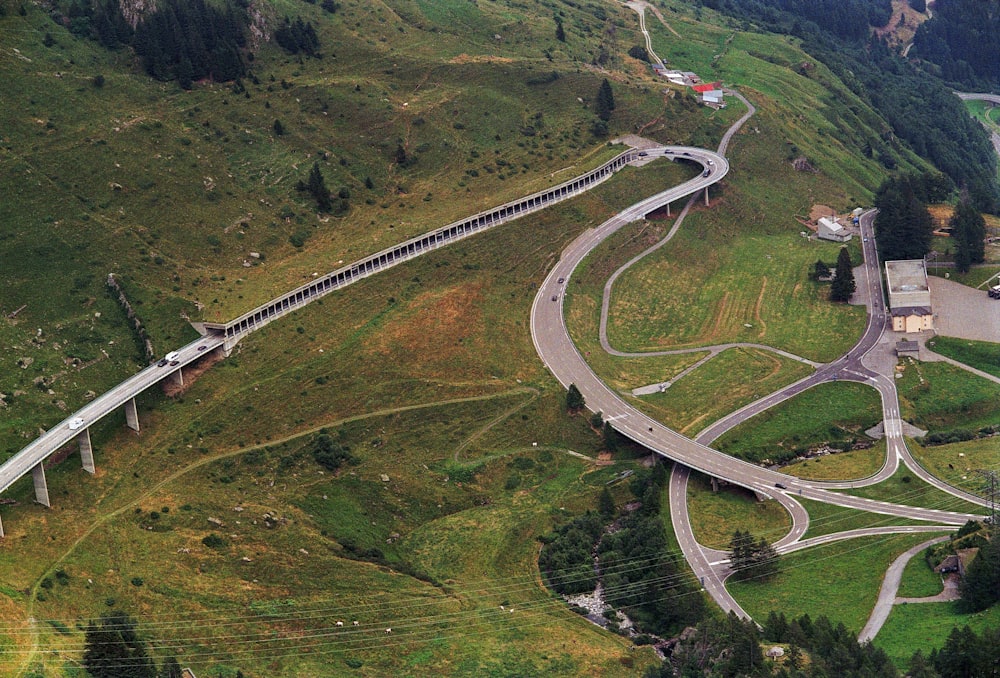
(75,423)
(710,162)
(173,355)
(175,363)
(202,348)
(561,280)
(555,297)
(780,486)
(162,362)
(706,173)
(643,154)
(686,153)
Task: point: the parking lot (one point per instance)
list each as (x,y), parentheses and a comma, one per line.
(964,312)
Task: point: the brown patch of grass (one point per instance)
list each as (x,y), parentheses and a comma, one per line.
(434,325)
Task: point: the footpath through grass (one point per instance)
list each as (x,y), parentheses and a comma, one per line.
(839,580)
(983,355)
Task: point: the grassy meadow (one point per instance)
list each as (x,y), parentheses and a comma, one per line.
(941,397)
(827,413)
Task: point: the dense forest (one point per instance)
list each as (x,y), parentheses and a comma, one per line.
(638,573)
(183,40)
(922,111)
(962,43)
(847,19)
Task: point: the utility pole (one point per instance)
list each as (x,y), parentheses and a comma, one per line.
(991,489)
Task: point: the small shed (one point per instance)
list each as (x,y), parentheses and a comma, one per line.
(907,348)
(828,228)
(775,652)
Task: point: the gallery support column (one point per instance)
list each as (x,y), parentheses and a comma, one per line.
(86,451)
(131,415)
(41,489)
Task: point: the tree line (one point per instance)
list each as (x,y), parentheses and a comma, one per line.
(904,227)
(187,40)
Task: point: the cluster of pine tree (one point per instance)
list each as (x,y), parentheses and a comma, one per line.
(638,573)
(962,42)
(903,226)
(113,649)
(968,230)
(297,36)
(752,559)
(187,40)
(183,40)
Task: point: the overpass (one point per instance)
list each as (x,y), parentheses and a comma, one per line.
(224,336)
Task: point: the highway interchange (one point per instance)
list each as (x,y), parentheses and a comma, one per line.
(865,363)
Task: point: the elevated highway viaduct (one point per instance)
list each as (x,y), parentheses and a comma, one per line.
(223,337)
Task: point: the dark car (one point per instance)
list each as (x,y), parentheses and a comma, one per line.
(162,362)
(202,348)
(555,297)
(780,486)
(643,154)
(174,363)
(561,280)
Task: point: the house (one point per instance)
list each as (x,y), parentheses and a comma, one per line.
(909,296)
(828,228)
(713,97)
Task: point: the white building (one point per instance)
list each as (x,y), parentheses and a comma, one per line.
(831,229)
(713,97)
(909,296)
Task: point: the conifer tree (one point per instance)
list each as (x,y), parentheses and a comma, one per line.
(843,284)
(605,101)
(113,649)
(317,187)
(574,399)
(969,232)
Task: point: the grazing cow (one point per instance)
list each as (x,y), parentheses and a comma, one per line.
(357,623)
(340,623)
(388,630)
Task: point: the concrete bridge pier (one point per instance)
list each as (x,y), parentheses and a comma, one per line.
(131,415)
(177,376)
(41,488)
(706,197)
(668,209)
(2,535)
(86,451)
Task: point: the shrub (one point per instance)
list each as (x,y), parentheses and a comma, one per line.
(213,541)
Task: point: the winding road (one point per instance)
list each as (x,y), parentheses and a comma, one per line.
(556,349)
